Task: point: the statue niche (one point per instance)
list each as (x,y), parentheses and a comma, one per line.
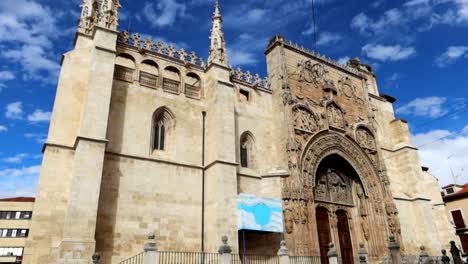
(335,116)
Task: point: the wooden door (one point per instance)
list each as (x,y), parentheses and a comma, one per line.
(323,229)
(346,245)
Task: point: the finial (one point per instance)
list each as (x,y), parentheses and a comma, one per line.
(217,12)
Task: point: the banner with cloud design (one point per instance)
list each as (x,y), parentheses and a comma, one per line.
(259,213)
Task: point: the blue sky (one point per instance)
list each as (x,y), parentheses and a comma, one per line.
(418,48)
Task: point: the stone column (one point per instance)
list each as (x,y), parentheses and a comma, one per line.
(423,256)
(445,259)
(455,253)
(225,251)
(363,255)
(151,250)
(394,250)
(283,253)
(332,255)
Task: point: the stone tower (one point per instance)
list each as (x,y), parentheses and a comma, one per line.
(63,228)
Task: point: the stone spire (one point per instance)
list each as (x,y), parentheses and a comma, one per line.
(102,13)
(218,52)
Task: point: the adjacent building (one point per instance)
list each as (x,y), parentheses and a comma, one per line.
(146,138)
(15,221)
(456,198)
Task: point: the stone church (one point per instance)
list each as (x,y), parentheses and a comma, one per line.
(146,138)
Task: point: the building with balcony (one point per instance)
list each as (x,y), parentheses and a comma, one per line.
(455,197)
(15,221)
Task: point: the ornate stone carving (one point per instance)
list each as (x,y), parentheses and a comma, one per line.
(392,218)
(98,13)
(247,77)
(365,138)
(334,187)
(335,116)
(305,120)
(218,51)
(347,88)
(311,73)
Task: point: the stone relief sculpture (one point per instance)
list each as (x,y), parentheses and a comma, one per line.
(333,187)
(99,13)
(311,73)
(335,116)
(305,119)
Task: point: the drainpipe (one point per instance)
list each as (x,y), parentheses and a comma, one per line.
(203,185)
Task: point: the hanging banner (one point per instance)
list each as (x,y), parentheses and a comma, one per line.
(259,214)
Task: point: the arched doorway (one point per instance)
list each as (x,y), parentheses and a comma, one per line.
(346,246)
(335,181)
(323,228)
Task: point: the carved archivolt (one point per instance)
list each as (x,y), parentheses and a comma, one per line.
(326,144)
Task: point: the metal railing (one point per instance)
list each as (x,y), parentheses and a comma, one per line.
(148,79)
(304,260)
(192,91)
(171,85)
(137,259)
(254,259)
(123,73)
(167,257)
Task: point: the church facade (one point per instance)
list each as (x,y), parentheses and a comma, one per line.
(147,138)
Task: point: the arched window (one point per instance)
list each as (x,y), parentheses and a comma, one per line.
(163,123)
(149,73)
(247,150)
(192,85)
(171,81)
(124,67)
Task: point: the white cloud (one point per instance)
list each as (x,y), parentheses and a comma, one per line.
(419,15)
(38,138)
(22,172)
(432,107)
(465,129)
(240,57)
(249,17)
(39,116)
(34,61)
(366,25)
(164,13)
(377,3)
(16,159)
(388,53)
(343,60)
(14,110)
(32,28)
(326,38)
(444,152)
(3,128)
(452,54)
(6,76)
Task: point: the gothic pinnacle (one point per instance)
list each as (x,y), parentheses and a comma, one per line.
(218,53)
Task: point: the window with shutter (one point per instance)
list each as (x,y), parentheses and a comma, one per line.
(458,219)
